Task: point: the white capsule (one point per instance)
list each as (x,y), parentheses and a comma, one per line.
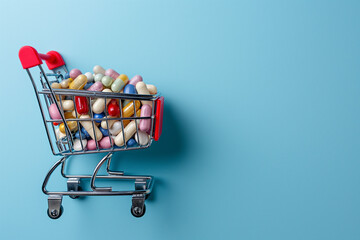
(67,105)
(77,144)
(142,89)
(152,89)
(116,128)
(59,134)
(143,137)
(129,131)
(98,69)
(89,76)
(90,129)
(109,123)
(99,104)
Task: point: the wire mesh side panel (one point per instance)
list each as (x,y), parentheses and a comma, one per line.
(84,122)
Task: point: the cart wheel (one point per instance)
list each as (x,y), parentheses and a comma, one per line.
(75,196)
(54,214)
(138,211)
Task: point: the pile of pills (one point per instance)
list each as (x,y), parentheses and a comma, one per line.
(103,133)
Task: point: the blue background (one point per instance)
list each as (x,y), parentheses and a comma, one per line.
(261,127)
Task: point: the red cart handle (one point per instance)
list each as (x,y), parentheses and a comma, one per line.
(159,118)
(29,58)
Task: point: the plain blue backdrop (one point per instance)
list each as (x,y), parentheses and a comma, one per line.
(261,128)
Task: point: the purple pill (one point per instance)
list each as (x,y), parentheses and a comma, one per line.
(74,73)
(135,80)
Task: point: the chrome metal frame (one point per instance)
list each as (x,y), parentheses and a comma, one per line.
(64,146)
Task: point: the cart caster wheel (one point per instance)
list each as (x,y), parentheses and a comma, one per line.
(75,196)
(138,211)
(54,214)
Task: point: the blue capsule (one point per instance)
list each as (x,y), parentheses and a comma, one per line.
(131,142)
(78,133)
(85,132)
(89,84)
(130,89)
(99,116)
(105,132)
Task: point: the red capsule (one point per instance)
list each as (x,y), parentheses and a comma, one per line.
(82,106)
(113,108)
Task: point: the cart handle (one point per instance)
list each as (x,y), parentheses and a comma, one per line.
(29,58)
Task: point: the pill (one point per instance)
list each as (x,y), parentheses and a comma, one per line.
(107,81)
(145,124)
(98,69)
(135,80)
(88,85)
(129,89)
(56,85)
(86,134)
(68,115)
(98,77)
(91,144)
(106,142)
(126,122)
(152,89)
(142,89)
(119,83)
(116,128)
(67,105)
(107,122)
(113,108)
(78,83)
(66,76)
(99,116)
(71,124)
(105,132)
(142,138)
(80,133)
(80,145)
(129,131)
(111,73)
(82,106)
(75,73)
(54,111)
(96,87)
(128,110)
(93,130)
(99,104)
(65,83)
(131,142)
(59,135)
(89,76)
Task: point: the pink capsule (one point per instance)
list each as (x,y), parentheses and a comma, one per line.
(91,145)
(54,112)
(135,80)
(106,142)
(74,73)
(97,87)
(111,73)
(145,123)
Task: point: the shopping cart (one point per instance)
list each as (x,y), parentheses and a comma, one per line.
(64,146)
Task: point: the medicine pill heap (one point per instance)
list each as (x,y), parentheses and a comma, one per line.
(104,132)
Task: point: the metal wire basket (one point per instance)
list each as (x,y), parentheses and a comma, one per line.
(64,145)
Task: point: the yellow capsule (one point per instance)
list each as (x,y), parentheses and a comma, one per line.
(124,78)
(72,126)
(65,83)
(56,85)
(126,122)
(128,110)
(79,82)
(68,115)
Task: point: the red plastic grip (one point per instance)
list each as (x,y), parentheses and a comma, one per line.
(29,58)
(159,118)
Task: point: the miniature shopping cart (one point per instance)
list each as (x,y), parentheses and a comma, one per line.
(64,146)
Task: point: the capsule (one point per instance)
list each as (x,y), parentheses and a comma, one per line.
(98,116)
(142,89)
(135,80)
(99,104)
(90,76)
(56,85)
(78,83)
(131,142)
(126,122)
(54,112)
(128,110)
(96,87)
(93,130)
(113,108)
(67,105)
(91,144)
(109,123)
(111,73)
(119,83)
(75,73)
(80,145)
(129,131)
(145,124)
(88,85)
(142,138)
(82,106)
(98,77)
(116,128)
(71,124)
(98,69)
(152,89)
(107,81)
(105,132)
(106,142)
(65,83)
